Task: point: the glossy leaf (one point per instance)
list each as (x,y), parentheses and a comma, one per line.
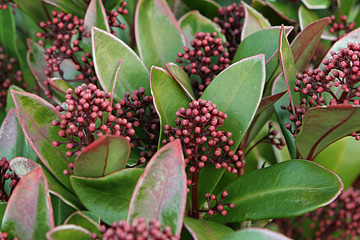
(253,22)
(28,214)
(9,100)
(8,33)
(158,35)
(12,140)
(106,155)
(201,229)
(22,166)
(60,88)
(193,22)
(286,189)
(307,17)
(164,182)
(109,5)
(325,125)
(95,16)
(35,59)
(256,234)
(69,232)
(36,115)
(108,197)
(107,51)
(304,45)
(342,157)
(237,92)
(35,9)
(76,7)
(80,219)
(285,9)
(182,78)
(316,4)
(207,8)
(164,88)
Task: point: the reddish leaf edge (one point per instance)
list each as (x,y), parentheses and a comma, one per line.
(67,227)
(177,144)
(181,85)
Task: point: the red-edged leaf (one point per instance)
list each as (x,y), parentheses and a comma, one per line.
(22,166)
(28,214)
(35,116)
(12,140)
(304,45)
(325,125)
(104,156)
(158,35)
(316,4)
(253,21)
(35,59)
(203,230)
(95,16)
(164,182)
(182,78)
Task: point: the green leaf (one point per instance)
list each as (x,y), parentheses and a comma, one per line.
(256,234)
(12,140)
(304,45)
(102,157)
(286,9)
(286,189)
(204,230)
(253,21)
(207,8)
(107,51)
(193,22)
(164,182)
(164,88)
(8,33)
(77,7)
(80,219)
(325,125)
(36,115)
(108,197)
(69,232)
(22,166)
(158,35)
(28,214)
(96,17)
(61,210)
(342,157)
(316,4)
(35,9)
(182,78)
(237,92)
(2,210)
(307,17)
(109,5)
(35,59)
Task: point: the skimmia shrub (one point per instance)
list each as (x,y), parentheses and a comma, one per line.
(155,119)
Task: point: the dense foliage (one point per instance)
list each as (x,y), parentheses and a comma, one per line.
(179,119)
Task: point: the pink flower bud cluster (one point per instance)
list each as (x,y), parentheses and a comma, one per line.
(112,17)
(6,176)
(206,59)
(231,21)
(338,82)
(9,75)
(65,33)
(218,207)
(88,116)
(337,221)
(137,230)
(202,142)
(341,27)
(138,109)
(5,236)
